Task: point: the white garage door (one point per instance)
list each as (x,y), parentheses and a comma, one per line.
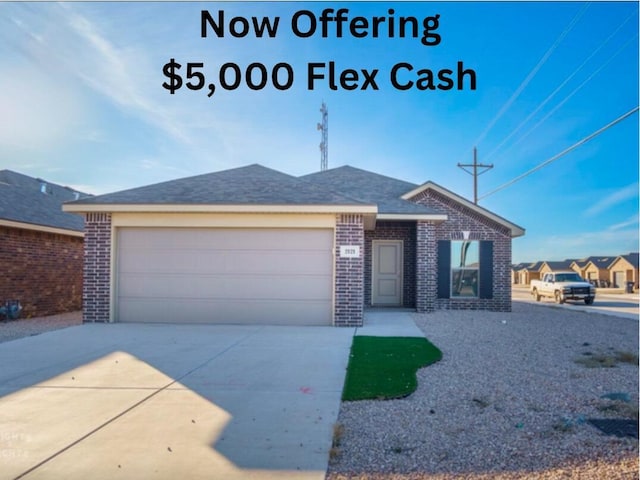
(238,276)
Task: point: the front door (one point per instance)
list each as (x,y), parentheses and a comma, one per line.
(386,268)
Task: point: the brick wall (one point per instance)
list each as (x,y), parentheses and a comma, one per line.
(97,267)
(480,227)
(42,270)
(386,230)
(349,287)
(426,271)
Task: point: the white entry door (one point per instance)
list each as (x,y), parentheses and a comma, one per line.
(386,268)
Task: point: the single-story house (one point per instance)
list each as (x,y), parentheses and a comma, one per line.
(528,272)
(579,266)
(41,247)
(624,269)
(555,266)
(252,244)
(516,272)
(597,269)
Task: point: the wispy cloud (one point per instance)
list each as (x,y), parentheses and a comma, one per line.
(614,198)
(111,71)
(634,220)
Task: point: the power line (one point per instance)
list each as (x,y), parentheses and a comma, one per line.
(532,73)
(573,92)
(561,154)
(559,87)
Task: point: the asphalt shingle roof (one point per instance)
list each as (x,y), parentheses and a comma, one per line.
(251,185)
(21,200)
(369,187)
(632,258)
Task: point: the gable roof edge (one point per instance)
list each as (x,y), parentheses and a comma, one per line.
(516,230)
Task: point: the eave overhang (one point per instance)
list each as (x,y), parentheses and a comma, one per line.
(40,228)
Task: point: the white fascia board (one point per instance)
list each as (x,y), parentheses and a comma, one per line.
(40,228)
(432,217)
(172,208)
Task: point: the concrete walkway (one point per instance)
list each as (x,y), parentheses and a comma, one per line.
(389,323)
(166,401)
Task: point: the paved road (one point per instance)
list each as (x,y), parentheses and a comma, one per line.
(617,305)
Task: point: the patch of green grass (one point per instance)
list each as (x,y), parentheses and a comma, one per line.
(384,368)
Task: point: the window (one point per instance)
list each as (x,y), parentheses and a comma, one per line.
(465,268)
(465,271)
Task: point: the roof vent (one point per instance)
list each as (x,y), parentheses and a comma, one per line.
(43,188)
(76,195)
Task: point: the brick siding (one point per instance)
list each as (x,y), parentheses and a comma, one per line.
(426,271)
(386,230)
(480,227)
(349,287)
(97,267)
(42,270)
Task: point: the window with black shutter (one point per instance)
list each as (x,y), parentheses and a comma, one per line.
(465,269)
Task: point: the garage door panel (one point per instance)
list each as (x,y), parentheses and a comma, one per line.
(225,239)
(227,311)
(226,286)
(206,261)
(207,275)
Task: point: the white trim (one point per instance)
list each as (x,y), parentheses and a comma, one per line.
(40,228)
(433,217)
(516,231)
(198,208)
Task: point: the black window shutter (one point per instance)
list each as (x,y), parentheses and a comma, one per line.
(486,269)
(444,268)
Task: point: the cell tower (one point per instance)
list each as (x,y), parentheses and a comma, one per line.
(324,144)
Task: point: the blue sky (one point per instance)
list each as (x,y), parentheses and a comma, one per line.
(83,105)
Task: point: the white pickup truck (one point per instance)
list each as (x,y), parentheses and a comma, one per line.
(563,286)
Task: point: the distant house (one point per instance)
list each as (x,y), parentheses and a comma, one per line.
(528,272)
(41,247)
(597,270)
(547,267)
(602,271)
(579,266)
(624,269)
(516,273)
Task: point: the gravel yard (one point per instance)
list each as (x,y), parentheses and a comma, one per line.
(508,400)
(24,327)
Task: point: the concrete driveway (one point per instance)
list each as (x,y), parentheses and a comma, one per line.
(164,401)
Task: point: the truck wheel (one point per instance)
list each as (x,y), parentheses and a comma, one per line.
(589,300)
(535,294)
(559,298)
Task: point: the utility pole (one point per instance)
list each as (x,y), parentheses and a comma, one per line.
(475,165)
(324,144)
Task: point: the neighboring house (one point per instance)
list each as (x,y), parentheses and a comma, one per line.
(555,266)
(530,271)
(40,246)
(516,273)
(579,266)
(597,270)
(624,269)
(254,245)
